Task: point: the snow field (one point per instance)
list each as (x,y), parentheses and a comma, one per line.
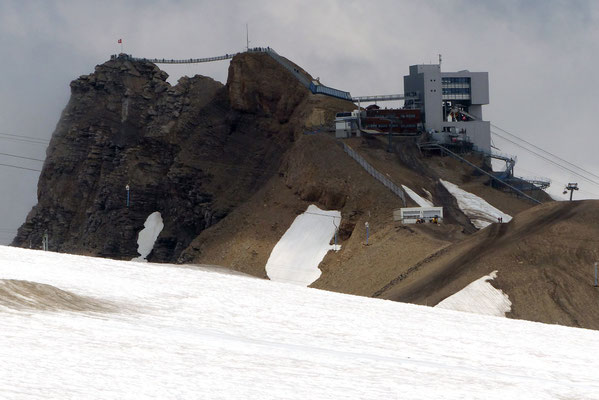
(481,213)
(479,297)
(296,256)
(183,332)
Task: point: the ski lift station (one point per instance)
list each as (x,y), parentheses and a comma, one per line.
(447,105)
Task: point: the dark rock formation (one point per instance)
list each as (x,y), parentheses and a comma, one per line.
(193,151)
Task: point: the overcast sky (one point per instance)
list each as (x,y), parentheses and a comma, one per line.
(541,57)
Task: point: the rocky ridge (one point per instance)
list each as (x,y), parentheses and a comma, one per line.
(193,151)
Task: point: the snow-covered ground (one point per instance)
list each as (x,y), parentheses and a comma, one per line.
(422,202)
(481,213)
(296,256)
(161,331)
(479,297)
(148,235)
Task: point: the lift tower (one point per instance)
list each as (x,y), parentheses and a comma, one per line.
(571,187)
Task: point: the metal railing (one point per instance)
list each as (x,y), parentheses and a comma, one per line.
(533,179)
(376,174)
(500,181)
(304,80)
(288,65)
(387,97)
(176,61)
(329,91)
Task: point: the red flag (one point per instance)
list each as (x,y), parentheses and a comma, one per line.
(120,40)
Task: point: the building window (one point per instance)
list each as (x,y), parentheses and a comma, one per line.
(448,91)
(455,80)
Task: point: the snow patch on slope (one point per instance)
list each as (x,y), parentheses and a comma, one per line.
(148,235)
(422,202)
(295,258)
(481,213)
(479,297)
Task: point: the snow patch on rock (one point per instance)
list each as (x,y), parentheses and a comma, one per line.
(479,297)
(422,202)
(429,195)
(295,258)
(481,213)
(148,235)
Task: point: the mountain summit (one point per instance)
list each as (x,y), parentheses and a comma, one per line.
(219,174)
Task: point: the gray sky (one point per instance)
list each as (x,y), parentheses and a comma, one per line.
(541,57)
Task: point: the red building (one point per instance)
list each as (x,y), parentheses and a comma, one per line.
(401,120)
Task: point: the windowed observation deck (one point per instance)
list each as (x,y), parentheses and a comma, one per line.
(456,88)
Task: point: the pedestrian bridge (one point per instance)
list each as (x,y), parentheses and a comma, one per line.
(182,61)
(314,86)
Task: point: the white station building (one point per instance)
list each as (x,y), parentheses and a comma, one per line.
(440,96)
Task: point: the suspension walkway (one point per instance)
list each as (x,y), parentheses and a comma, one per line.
(314,86)
(185,61)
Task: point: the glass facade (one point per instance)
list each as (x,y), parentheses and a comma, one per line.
(456,88)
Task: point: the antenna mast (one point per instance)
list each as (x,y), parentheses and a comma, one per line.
(247,38)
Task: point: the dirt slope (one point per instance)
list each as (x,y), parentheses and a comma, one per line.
(544,259)
(317,171)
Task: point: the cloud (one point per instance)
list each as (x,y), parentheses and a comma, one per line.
(541,58)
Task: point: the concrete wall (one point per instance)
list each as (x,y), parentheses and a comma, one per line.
(479,87)
(476,111)
(426,80)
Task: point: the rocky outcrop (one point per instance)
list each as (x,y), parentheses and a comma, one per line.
(193,151)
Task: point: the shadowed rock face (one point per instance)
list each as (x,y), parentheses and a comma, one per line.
(193,151)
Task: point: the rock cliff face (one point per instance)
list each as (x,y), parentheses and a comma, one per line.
(193,151)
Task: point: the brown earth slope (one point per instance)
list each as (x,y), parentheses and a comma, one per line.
(317,171)
(544,258)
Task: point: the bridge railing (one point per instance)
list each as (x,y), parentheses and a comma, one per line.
(387,97)
(176,61)
(290,67)
(376,174)
(314,88)
(299,75)
(322,89)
